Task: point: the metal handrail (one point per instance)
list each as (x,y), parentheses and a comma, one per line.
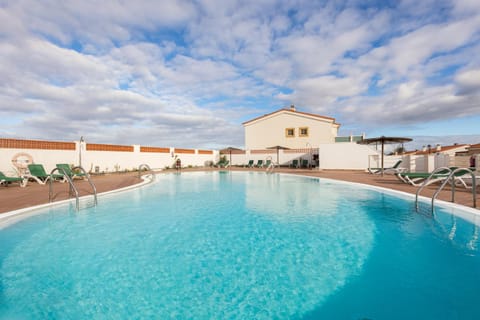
(70,182)
(72,185)
(148,169)
(453,177)
(426,182)
(448,178)
(271,166)
(85,173)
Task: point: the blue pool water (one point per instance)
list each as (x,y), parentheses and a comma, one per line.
(234,245)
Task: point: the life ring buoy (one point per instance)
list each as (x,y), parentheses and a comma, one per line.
(21,160)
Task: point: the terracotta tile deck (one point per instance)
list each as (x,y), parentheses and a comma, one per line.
(13,197)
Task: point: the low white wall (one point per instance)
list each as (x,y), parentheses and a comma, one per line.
(428,163)
(346,156)
(48,158)
(106,161)
(285,157)
(349,156)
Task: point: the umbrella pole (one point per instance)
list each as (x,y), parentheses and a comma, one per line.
(382,158)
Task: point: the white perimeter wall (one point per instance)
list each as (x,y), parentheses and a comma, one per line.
(346,156)
(107,161)
(331,156)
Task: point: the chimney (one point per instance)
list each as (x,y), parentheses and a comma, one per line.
(292,107)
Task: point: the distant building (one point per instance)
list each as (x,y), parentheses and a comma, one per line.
(449,150)
(289,128)
(473,149)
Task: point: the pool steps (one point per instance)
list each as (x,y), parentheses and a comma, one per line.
(452,178)
(73,189)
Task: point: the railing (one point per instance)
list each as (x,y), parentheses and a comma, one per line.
(271,164)
(451,176)
(73,190)
(270,167)
(146,168)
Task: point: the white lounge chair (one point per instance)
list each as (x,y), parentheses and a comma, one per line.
(392,170)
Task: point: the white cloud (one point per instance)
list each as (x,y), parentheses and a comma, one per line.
(321,91)
(143,70)
(469,82)
(417,46)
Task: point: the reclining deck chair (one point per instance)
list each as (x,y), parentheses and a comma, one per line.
(6,180)
(304,164)
(223,164)
(63,167)
(416,179)
(294,163)
(37,173)
(393,169)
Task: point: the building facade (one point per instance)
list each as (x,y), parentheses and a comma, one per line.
(289,128)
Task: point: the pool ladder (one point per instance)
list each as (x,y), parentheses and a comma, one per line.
(146,167)
(73,189)
(270,168)
(452,177)
(271,165)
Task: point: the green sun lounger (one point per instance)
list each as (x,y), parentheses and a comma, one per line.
(6,180)
(417,178)
(37,173)
(223,164)
(294,163)
(65,168)
(304,164)
(394,169)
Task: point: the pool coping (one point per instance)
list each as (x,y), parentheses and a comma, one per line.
(14,216)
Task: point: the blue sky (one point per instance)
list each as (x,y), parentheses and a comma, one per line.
(188,73)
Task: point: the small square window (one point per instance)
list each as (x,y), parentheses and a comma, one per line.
(303,132)
(290,132)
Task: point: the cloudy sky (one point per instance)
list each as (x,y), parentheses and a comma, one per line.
(188,73)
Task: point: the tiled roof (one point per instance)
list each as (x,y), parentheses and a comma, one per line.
(433,149)
(293,112)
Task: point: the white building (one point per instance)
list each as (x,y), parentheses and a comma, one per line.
(289,128)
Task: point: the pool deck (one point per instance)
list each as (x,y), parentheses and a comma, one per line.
(14,197)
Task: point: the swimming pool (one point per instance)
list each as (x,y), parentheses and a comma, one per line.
(236,245)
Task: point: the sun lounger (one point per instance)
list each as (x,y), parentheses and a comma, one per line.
(6,180)
(294,163)
(37,173)
(463,177)
(392,170)
(223,164)
(259,164)
(65,168)
(250,163)
(417,178)
(304,164)
(467,182)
